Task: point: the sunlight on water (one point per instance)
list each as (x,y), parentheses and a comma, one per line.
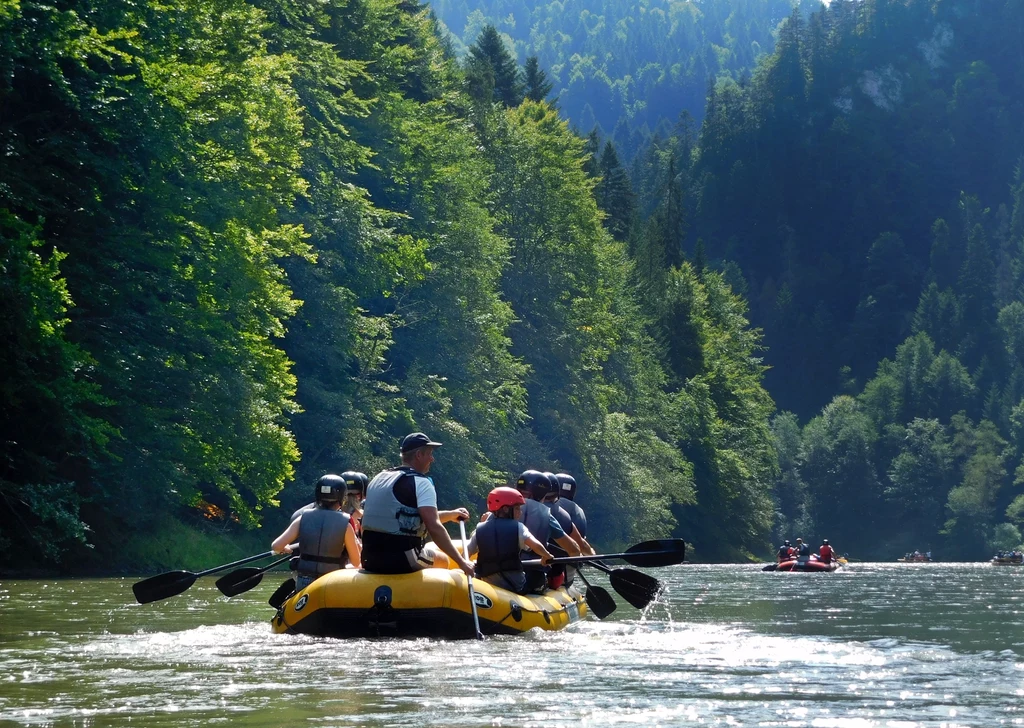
(933,645)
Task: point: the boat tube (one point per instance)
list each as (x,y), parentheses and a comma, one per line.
(809,565)
(427,603)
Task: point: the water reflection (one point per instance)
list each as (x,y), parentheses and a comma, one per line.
(878,644)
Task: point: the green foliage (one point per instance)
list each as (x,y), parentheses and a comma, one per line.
(628,67)
(294,232)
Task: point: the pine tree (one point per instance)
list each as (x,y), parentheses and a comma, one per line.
(615,194)
(489,51)
(538,88)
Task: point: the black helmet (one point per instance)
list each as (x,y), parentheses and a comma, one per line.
(785,543)
(824,542)
(568,486)
(355,482)
(329,489)
(533,484)
(554,487)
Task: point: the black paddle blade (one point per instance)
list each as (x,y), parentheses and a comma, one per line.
(661,552)
(281,595)
(600,602)
(162,586)
(635,587)
(240,580)
(770,567)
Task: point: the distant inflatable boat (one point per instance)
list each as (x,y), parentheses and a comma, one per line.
(1014,559)
(807,565)
(427,603)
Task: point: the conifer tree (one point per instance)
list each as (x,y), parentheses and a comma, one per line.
(489,52)
(615,194)
(538,88)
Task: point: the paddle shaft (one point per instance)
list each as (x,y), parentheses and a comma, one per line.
(235,563)
(597,557)
(472,593)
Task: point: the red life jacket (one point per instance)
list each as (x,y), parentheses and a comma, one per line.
(826,553)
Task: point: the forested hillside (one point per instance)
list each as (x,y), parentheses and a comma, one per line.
(864,190)
(629,67)
(247,243)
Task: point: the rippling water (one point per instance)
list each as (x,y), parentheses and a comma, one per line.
(872,645)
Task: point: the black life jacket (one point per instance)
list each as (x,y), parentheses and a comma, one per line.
(497,544)
(322,541)
(575,511)
(563,518)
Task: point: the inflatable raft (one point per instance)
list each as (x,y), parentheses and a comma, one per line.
(807,565)
(428,603)
(1014,559)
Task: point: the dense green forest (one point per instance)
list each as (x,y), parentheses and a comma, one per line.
(627,67)
(864,191)
(246,243)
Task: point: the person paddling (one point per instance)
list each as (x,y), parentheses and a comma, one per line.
(785,552)
(567,500)
(355,494)
(825,553)
(326,539)
(803,551)
(499,542)
(401,510)
(554,502)
(539,520)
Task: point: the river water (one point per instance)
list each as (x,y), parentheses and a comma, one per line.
(871,645)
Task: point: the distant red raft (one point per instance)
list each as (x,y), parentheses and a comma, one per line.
(807,565)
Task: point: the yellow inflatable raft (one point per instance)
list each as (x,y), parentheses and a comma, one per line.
(428,603)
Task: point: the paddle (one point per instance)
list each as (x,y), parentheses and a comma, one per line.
(770,567)
(599,601)
(281,595)
(246,578)
(634,586)
(661,552)
(171,583)
(472,593)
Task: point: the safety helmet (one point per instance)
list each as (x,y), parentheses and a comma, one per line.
(799,540)
(785,543)
(567,485)
(554,487)
(824,542)
(534,484)
(504,496)
(355,482)
(329,489)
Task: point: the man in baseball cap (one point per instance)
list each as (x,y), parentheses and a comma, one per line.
(401,511)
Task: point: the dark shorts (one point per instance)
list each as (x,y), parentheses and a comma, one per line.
(397,562)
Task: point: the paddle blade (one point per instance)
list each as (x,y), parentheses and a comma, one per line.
(635,587)
(162,586)
(240,580)
(770,567)
(661,552)
(281,595)
(600,602)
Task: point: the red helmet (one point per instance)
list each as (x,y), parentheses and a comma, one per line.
(504,497)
